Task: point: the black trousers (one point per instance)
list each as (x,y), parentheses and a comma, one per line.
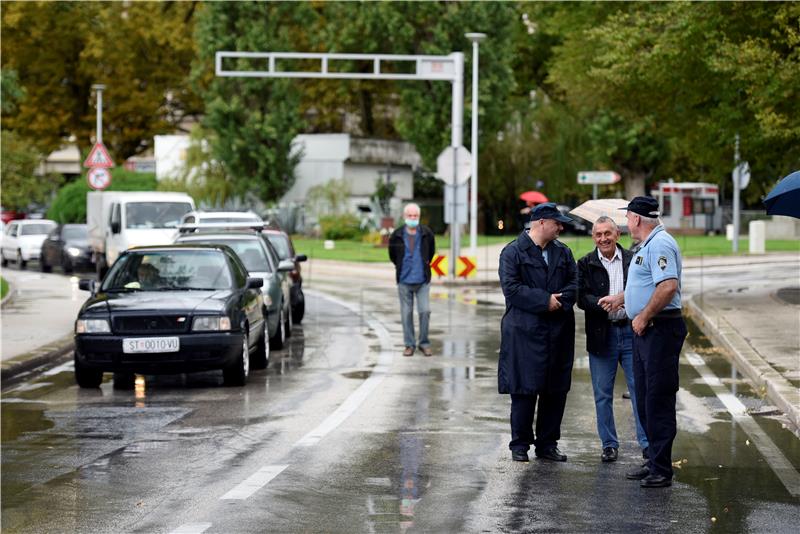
(548,423)
(655,371)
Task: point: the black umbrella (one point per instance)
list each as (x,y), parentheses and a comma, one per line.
(784,199)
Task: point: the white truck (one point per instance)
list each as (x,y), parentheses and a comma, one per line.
(118,221)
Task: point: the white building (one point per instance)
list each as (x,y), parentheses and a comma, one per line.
(359,162)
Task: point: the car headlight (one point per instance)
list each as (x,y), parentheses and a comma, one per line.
(92,326)
(74,251)
(211,323)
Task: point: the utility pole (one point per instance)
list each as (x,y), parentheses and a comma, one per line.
(736,207)
(476,38)
(99,87)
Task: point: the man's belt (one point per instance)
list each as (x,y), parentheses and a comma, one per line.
(668,314)
(620,322)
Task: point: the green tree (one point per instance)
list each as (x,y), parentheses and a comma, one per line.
(142,51)
(18,163)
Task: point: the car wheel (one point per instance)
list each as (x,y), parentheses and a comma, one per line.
(44,266)
(299,309)
(66,264)
(20,262)
(260,360)
(289,323)
(86,377)
(236,373)
(124,380)
(277,341)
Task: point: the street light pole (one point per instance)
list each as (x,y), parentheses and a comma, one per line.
(98,87)
(476,38)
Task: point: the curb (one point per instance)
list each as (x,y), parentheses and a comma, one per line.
(747,360)
(48,354)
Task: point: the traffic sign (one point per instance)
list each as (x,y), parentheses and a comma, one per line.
(741,175)
(459,157)
(467,266)
(98,178)
(98,158)
(439,265)
(598,177)
(455,204)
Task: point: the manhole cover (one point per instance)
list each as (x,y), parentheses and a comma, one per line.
(790,295)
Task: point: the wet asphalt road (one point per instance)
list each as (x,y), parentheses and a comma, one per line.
(343,434)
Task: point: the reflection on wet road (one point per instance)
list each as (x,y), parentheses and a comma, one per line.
(399,444)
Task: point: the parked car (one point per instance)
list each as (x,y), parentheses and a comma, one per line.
(283,245)
(22,241)
(261,261)
(67,245)
(219,217)
(171,309)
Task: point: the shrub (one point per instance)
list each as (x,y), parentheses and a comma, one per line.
(373,238)
(343,226)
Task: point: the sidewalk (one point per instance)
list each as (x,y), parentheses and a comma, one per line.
(37,319)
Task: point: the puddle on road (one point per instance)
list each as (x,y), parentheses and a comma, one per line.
(462,373)
(359,375)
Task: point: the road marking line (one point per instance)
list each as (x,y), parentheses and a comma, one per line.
(356,398)
(779,464)
(254,482)
(192,528)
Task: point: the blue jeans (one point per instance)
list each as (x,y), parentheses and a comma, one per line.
(604,371)
(422,292)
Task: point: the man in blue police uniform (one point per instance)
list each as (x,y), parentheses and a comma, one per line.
(539,281)
(652,301)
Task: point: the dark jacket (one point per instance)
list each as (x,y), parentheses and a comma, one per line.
(537,346)
(397,250)
(593,284)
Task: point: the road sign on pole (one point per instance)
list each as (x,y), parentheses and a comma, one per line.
(455,203)
(98,158)
(439,265)
(741,175)
(467,266)
(98,178)
(458,158)
(598,177)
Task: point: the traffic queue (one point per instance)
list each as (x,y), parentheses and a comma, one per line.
(220,296)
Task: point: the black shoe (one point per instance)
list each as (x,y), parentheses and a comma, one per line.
(554,455)
(638,474)
(609,454)
(655,481)
(519,456)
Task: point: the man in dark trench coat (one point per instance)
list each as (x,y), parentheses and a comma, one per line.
(538,276)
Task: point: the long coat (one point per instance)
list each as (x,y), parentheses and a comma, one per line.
(593,284)
(537,346)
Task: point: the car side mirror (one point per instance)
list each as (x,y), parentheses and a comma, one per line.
(115,227)
(255,283)
(285,266)
(301,257)
(87,284)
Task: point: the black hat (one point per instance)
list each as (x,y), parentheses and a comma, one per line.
(548,210)
(644,206)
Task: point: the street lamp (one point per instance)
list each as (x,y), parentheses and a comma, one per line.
(476,38)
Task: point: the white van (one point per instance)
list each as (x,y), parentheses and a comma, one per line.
(118,221)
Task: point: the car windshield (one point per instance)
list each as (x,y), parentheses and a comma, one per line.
(281,244)
(250,251)
(75,232)
(144,215)
(169,270)
(35,229)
